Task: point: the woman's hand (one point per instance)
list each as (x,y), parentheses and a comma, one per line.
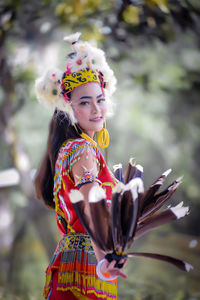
(110,268)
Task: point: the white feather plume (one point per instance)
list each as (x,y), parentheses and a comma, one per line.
(72,37)
(48,88)
(48,92)
(93,58)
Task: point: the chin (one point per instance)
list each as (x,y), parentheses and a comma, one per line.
(99,128)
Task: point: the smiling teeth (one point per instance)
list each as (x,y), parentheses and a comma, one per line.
(96,118)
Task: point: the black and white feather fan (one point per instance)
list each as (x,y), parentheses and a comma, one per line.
(133,212)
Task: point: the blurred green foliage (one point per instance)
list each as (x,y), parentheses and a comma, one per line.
(153,47)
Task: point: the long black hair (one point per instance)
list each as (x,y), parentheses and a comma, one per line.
(60,129)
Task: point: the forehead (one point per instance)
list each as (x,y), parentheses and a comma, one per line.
(88,89)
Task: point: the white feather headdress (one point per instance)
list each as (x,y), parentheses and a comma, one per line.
(49,86)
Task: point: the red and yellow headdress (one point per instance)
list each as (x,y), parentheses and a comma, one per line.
(86,64)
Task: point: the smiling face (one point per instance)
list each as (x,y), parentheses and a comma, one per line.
(89,107)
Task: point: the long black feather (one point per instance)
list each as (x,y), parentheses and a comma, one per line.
(79,206)
(117,234)
(174,261)
(149,194)
(160,199)
(101,218)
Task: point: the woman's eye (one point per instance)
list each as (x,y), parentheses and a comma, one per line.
(84,103)
(101,100)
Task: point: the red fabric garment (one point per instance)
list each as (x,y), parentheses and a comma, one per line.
(73,267)
(55,295)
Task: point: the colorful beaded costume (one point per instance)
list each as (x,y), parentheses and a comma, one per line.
(74,261)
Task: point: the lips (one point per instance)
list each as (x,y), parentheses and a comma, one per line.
(97,119)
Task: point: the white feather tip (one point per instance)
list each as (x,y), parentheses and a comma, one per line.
(179,179)
(140,168)
(118,188)
(96,194)
(72,38)
(136,186)
(75,196)
(118,166)
(132,161)
(188,267)
(166,173)
(180,211)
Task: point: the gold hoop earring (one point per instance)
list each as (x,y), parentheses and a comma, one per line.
(103,137)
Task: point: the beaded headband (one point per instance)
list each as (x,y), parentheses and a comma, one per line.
(72,80)
(86,64)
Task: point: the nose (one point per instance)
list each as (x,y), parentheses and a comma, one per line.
(95,108)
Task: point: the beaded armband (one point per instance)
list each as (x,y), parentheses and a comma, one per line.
(88,177)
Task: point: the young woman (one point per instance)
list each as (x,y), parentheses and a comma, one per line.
(81,99)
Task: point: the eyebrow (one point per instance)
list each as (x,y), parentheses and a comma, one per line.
(89,97)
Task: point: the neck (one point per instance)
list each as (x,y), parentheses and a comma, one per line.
(88,138)
(90,134)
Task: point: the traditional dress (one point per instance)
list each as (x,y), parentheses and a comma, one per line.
(72,271)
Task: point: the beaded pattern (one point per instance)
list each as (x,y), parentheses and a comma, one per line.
(88,177)
(74,241)
(70,153)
